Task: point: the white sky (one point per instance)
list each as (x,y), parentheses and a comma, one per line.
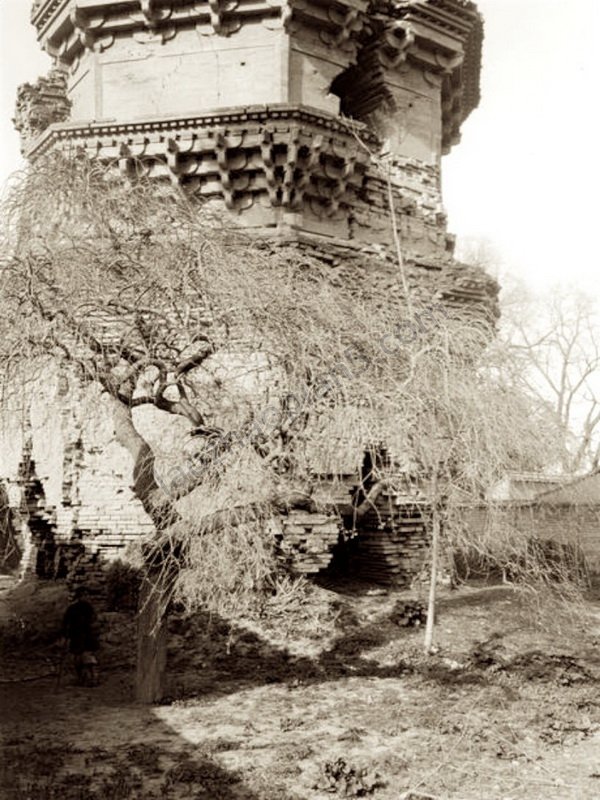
(527,173)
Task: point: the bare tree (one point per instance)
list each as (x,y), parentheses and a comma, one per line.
(556,344)
(267,355)
(464,425)
(482,252)
(269,358)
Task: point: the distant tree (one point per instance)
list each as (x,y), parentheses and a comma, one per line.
(482,252)
(555,350)
(552,353)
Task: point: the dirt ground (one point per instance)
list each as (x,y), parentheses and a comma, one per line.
(506,709)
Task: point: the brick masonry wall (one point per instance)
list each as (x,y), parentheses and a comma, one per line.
(576,525)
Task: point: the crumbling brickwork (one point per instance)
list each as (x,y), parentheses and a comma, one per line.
(393,540)
(40,105)
(68,481)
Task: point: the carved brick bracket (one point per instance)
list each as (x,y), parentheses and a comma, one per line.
(340,178)
(218,8)
(347,25)
(131,163)
(267,150)
(299,169)
(88,33)
(154,16)
(289,175)
(339,23)
(154,13)
(395,42)
(218,18)
(182,159)
(234,182)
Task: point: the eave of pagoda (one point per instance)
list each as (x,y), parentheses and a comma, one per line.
(452,29)
(290,157)
(282,169)
(66,27)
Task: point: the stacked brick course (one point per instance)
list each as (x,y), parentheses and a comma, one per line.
(306,540)
(393,539)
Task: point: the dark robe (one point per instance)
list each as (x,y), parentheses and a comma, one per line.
(79,627)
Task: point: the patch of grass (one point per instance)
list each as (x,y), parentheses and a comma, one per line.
(347,780)
(220,745)
(144,756)
(208,779)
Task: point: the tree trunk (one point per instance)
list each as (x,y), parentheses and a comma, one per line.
(155,589)
(435,546)
(151,640)
(158,578)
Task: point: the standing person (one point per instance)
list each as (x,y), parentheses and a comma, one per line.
(79,628)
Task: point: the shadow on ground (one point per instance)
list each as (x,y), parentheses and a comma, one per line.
(61,742)
(64,745)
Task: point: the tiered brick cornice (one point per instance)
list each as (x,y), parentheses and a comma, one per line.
(273,163)
(292,155)
(65,27)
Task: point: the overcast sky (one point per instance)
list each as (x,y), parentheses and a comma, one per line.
(526,176)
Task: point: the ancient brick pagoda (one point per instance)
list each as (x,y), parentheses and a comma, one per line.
(297,117)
